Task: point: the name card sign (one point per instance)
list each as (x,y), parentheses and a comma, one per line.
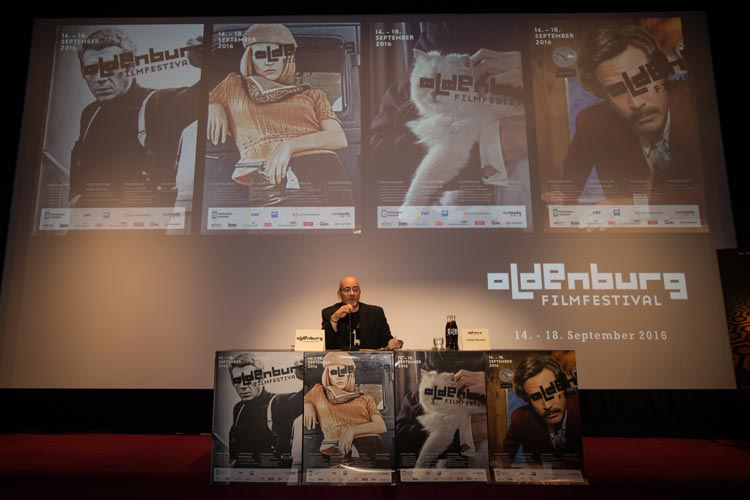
(474,339)
(309,340)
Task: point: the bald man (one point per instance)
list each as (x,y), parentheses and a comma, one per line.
(371,330)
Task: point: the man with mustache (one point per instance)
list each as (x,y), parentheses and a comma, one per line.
(642,138)
(548,428)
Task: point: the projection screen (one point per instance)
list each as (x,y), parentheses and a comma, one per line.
(189,186)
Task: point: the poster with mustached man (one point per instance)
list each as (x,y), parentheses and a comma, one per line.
(534,417)
(617,126)
(257,422)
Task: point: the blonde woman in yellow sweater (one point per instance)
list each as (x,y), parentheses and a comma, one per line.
(350,420)
(279,125)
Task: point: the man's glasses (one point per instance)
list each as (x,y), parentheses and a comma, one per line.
(348,289)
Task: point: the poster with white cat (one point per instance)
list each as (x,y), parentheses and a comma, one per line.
(448,141)
(441,427)
(348,418)
(534,417)
(257,419)
(616,122)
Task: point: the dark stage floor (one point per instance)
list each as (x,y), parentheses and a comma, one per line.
(145,466)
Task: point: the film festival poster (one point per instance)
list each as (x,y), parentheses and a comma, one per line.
(448,139)
(348,418)
(282,145)
(534,417)
(257,419)
(441,427)
(620,151)
(120,133)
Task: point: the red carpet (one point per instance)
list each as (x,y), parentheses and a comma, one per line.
(128,466)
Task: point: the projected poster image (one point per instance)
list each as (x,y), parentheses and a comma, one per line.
(283,129)
(120,132)
(618,140)
(257,426)
(348,418)
(448,142)
(534,417)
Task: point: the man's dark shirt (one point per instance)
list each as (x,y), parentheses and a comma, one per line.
(373,331)
(249,435)
(109,165)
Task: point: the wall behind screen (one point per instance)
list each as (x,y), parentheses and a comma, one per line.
(129,309)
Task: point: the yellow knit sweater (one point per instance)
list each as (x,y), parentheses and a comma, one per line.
(258,127)
(334,419)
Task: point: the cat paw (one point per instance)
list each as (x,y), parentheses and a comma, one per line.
(468,451)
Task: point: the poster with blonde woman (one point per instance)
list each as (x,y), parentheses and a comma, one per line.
(348,418)
(282,135)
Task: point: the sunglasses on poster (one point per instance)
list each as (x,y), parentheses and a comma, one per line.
(646,74)
(465,83)
(248,379)
(342,371)
(452,392)
(274,55)
(554,387)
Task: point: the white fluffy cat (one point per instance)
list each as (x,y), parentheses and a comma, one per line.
(449,126)
(442,416)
